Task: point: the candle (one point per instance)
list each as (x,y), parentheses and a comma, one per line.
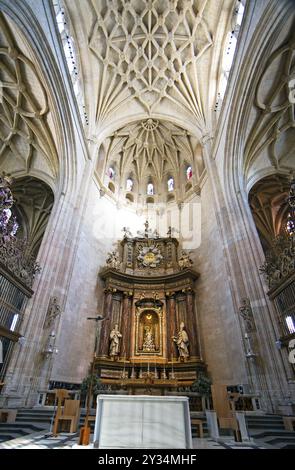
(172,375)
(124,367)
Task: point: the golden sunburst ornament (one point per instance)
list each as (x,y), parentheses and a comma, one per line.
(150,256)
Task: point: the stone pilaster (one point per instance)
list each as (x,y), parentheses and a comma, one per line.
(191,324)
(171,324)
(126,324)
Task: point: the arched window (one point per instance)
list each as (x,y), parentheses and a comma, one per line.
(111,173)
(229,51)
(170,184)
(129,184)
(189,172)
(71,56)
(150,189)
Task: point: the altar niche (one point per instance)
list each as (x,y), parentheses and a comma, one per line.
(149,341)
(148,328)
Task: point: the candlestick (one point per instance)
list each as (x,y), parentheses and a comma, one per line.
(124,367)
(172,375)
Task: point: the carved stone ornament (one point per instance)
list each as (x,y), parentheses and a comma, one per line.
(279,262)
(184,261)
(247,314)
(113,260)
(149,256)
(13,256)
(54,310)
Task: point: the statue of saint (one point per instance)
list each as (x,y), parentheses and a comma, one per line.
(113,260)
(53,312)
(182,342)
(148,340)
(115,336)
(184,261)
(247,315)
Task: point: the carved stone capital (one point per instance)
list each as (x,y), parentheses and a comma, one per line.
(128,294)
(170,294)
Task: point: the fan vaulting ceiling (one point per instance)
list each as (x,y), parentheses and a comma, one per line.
(149,59)
(151,151)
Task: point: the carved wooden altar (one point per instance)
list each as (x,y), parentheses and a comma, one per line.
(148,298)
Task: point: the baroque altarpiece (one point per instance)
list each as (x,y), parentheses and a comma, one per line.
(149,336)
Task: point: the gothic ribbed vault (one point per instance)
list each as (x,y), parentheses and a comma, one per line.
(157,62)
(151,151)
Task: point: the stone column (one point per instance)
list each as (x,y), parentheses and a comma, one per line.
(181,315)
(116,308)
(126,324)
(191,326)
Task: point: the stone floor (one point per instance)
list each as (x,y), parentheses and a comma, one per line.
(41,440)
(224,443)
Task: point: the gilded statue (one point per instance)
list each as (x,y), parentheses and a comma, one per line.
(115,336)
(148,340)
(182,342)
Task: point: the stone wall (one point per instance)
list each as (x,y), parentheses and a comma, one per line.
(220,334)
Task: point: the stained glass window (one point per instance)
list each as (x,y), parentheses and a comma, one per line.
(111,173)
(290,324)
(170,183)
(129,184)
(189,172)
(150,189)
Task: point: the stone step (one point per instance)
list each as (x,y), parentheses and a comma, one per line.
(20,426)
(262,420)
(265,417)
(19,432)
(31,411)
(266,426)
(283,434)
(34,419)
(258,423)
(33,415)
(282,440)
(7,437)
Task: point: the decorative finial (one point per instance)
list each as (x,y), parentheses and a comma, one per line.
(127,233)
